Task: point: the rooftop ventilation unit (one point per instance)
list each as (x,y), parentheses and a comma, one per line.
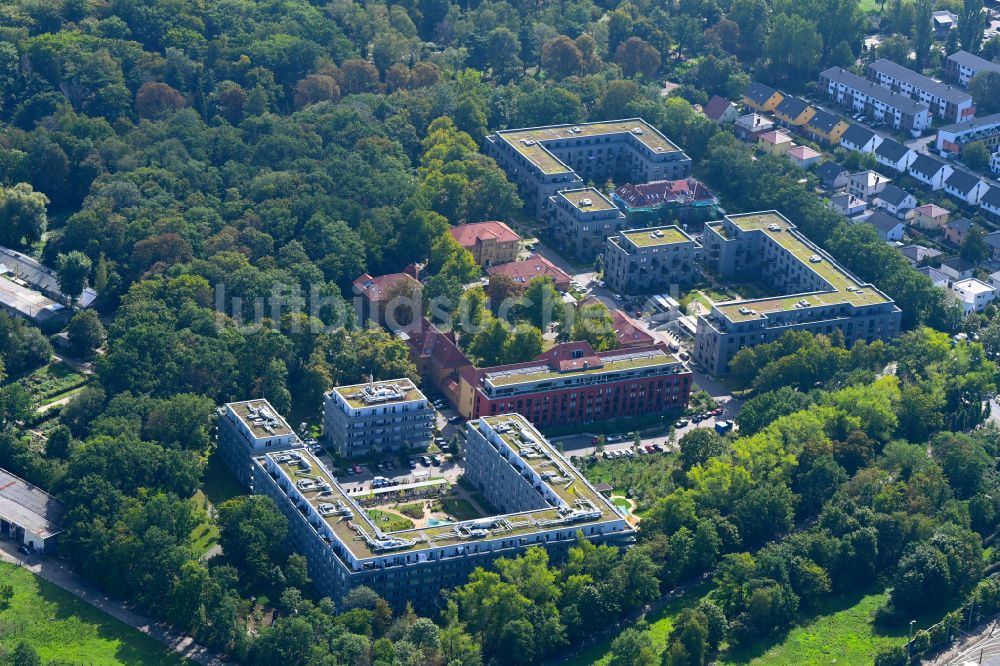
(658,233)
(586,202)
(637,131)
(774,227)
(815,259)
(528,142)
(576,130)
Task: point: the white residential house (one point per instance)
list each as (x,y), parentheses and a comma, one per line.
(957,268)
(894,200)
(889,228)
(973,294)
(994,279)
(866,184)
(931,172)
(848,205)
(990,204)
(860,139)
(895,155)
(966,187)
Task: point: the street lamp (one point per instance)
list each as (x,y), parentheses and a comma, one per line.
(909,643)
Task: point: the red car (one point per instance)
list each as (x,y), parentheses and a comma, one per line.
(649,448)
(357,469)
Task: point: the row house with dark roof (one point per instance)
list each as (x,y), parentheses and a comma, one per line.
(832,175)
(895,155)
(793,112)
(990,204)
(860,139)
(930,171)
(826,127)
(761,98)
(968,188)
(895,200)
(949,103)
(895,109)
(961,66)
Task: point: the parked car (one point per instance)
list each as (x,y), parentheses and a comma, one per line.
(357,469)
(682,423)
(437,460)
(413,464)
(615,438)
(455,419)
(426,461)
(350,471)
(658,448)
(24,550)
(649,448)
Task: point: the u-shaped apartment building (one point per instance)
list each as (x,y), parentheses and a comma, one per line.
(818,294)
(542,498)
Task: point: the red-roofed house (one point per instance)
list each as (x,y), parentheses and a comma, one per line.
(438,359)
(490,243)
(775,143)
(629,332)
(666,200)
(571,383)
(720,110)
(930,216)
(376,292)
(522,272)
(803,156)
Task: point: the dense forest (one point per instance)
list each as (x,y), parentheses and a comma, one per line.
(194,160)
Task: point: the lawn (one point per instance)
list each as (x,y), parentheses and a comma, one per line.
(458,507)
(219,483)
(62,628)
(839,632)
(388,521)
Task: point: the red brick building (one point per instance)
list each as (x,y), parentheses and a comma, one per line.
(571,383)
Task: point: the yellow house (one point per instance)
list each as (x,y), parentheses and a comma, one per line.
(775,143)
(794,112)
(761,98)
(826,127)
(930,216)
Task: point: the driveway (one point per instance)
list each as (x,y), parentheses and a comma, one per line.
(62,575)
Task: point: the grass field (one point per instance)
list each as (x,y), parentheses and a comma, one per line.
(63,628)
(840,632)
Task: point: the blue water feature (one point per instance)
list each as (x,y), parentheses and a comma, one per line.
(437,522)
